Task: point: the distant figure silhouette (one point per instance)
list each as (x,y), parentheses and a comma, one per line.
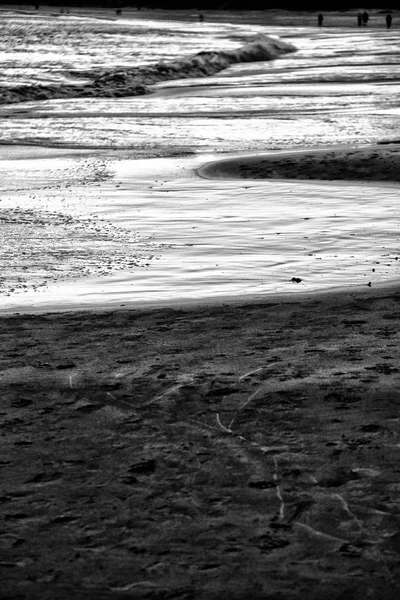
(36,6)
(201,18)
(118,11)
(320,20)
(365,17)
(359,19)
(388,21)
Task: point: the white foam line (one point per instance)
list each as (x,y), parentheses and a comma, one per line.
(347,509)
(226,429)
(121,401)
(282,506)
(278,491)
(250,399)
(250,373)
(320,533)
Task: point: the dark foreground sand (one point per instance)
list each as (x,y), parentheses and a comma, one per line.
(224,452)
(235,451)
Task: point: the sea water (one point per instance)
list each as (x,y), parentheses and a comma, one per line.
(116,214)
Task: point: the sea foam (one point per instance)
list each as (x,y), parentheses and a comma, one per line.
(138,80)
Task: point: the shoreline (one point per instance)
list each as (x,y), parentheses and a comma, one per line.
(276,17)
(210,303)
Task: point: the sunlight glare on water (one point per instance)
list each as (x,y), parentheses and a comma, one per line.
(164,234)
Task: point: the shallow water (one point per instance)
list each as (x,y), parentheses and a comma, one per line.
(134,239)
(120,231)
(340,86)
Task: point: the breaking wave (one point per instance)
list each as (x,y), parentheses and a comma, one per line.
(138,81)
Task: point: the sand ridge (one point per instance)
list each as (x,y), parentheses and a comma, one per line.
(378,162)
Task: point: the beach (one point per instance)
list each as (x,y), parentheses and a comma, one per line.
(229,440)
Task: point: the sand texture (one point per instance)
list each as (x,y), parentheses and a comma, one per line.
(380,162)
(220,452)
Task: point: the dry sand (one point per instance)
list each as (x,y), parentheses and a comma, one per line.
(235,451)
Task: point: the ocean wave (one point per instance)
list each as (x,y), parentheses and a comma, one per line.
(138,81)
